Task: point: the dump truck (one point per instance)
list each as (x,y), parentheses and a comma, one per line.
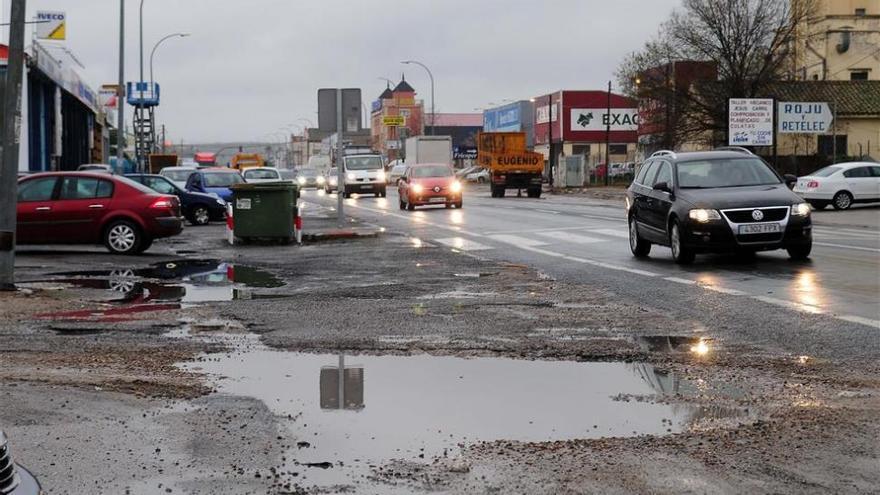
(160,161)
(244,161)
(510,164)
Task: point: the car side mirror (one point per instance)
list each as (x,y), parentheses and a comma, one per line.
(790,179)
(663,186)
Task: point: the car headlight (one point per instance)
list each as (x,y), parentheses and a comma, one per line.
(350,176)
(301,180)
(418,189)
(321,179)
(455,187)
(380,175)
(703,216)
(800,210)
(221,202)
(333,180)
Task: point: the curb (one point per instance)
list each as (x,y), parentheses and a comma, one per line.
(333,235)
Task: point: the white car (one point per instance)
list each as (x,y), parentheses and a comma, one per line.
(841,185)
(481,176)
(396,172)
(258,175)
(177,175)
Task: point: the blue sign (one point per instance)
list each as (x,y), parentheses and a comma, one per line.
(377,105)
(503,119)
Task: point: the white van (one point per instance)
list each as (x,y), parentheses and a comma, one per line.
(364,173)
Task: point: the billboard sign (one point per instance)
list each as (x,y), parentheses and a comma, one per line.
(51,25)
(750,122)
(808,117)
(503,119)
(542,111)
(394,120)
(597,119)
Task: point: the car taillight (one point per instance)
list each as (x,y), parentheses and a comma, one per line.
(813,184)
(162,203)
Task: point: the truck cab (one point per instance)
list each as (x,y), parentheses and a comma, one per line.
(364,173)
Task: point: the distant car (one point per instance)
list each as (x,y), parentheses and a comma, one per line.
(214,180)
(94,208)
(396,173)
(841,185)
(429,184)
(14,479)
(309,177)
(481,176)
(463,173)
(198,208)
(257,175)
(178,175)
(95,167)
(715,201)
(331,181)
(189,163)
(622,169)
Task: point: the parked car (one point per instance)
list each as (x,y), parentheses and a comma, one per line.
(214,180)
(428,184)
(178,175)
(257,175)
(396,173)
(841,185)
(481,176)
(15,479)
(622,169)
(463,173)
(94,208)
(198,208)
(331,181)
(95,167)
(715,201)
(309,177)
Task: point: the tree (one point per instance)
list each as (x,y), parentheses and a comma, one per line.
(748,44)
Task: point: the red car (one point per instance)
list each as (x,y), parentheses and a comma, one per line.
(94,208)
(429,184)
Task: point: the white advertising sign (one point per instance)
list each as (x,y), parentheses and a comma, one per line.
(750,122)
(597,119)
(804,117)
(51,25)
(542,111)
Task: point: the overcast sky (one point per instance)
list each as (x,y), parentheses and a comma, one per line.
(251,67)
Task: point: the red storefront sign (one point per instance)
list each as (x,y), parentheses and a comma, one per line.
(582,116)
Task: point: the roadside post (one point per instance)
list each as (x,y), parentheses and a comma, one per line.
(340,173)
(10,123)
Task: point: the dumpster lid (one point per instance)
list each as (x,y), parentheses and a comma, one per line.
(265,186)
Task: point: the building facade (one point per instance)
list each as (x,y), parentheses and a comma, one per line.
(838,42)
(398,102)
(518,116)
(463,129)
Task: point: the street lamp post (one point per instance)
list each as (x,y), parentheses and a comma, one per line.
(431,76)
(120,91)
(153,52)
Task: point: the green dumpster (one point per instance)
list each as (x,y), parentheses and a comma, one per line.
(264,211)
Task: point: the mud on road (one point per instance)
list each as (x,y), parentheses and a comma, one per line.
(149,369)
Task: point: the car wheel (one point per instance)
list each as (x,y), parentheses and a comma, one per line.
(459,205)
(123,237)
(818,205)
(402,204)
(410,206)
(200,216)
(801,252)
(842,200)
(680,253)
(639,247)
(534,192)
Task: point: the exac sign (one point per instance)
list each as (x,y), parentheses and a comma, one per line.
(597,119)
(804,117)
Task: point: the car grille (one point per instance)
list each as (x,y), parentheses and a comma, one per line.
(772,214)
(8,477)
(750,238)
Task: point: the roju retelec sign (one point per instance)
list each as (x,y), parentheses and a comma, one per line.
(750,122)
(807,117)
(51,25)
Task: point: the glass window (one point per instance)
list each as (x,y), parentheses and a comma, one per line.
(260,174)
(857,172)
(179,175)
(664,174)
(78,188)
(643,171)
(826,172)
(875,171)
(363,163)
(432,171)
(161,185)
(36,189)
(105,189)
(727,172)
(858,75)
(222,179)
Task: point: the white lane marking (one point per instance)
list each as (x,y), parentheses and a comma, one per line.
(569,237)
(547,211)
(463,244)
(612,232)
(518,241)
(539,231)
(844,235)
(735,293)
(843,246)
(868,232)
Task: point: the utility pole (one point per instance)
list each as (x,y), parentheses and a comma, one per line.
(11,128)
(608,139)
(120,93)
(340,173)
(550,137)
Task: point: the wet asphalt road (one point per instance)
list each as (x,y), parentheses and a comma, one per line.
(769,299)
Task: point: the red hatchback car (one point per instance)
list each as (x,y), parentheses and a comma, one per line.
(94,208)
(429,184)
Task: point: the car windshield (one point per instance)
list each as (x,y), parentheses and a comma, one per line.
(260,174)
(222,179)
(308,172)
(180,175)
(727,172)
(825,172)
(432,171)
(363,163)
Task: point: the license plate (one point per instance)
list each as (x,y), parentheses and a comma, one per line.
(366,187)
(761,228)
(437,200)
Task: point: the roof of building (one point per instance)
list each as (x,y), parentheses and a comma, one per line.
(387,94)
(851,97)
(403,86)
(456,120)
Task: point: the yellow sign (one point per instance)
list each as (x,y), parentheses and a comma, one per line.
(51,25)
(394,120)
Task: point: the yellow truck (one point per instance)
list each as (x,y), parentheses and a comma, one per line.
(510,164)
(244,161)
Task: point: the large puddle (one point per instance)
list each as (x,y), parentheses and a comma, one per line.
(358,412)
